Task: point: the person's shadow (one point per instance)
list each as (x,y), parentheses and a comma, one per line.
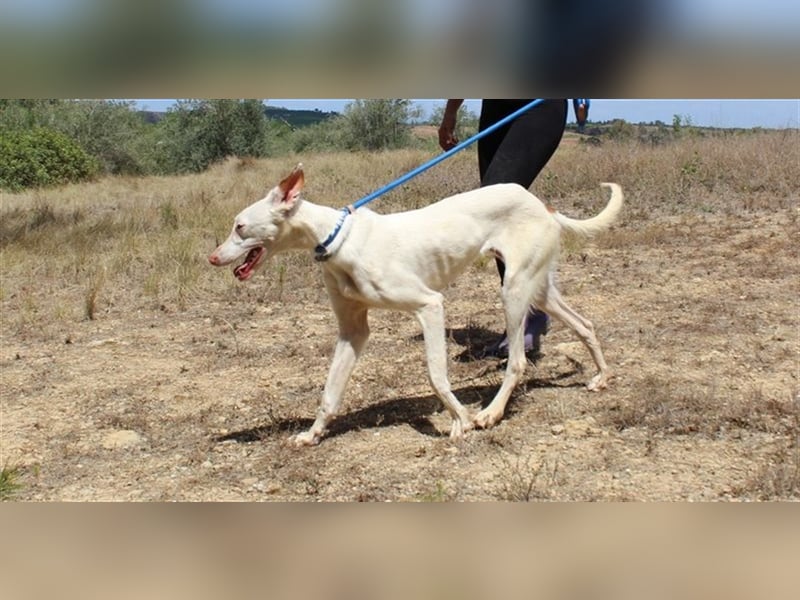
(475,341)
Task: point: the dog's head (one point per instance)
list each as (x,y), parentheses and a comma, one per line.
(259,226)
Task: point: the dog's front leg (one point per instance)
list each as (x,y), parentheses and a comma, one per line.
(344,359)
(353,334)
(431,318)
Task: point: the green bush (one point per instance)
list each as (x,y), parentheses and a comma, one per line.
(41,157)
(111,131)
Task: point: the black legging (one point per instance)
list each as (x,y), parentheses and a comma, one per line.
(517,152)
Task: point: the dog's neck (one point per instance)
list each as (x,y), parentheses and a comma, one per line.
(311,223)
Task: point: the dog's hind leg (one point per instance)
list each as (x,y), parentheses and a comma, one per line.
(515,299)
(555,306)
(431,318)
(353,334)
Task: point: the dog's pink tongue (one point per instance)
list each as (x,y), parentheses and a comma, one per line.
(242,272)
(245,270)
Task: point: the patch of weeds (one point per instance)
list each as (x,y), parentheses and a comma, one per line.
(669,407)
(779,476)
(178,264)
(691,168)
(221,345)
(304,480)
(29,308)
(524,480)
(653,234)
(41,215)
(440,494)
(281,278)
(313,486)
(758,413)
(187,274)
(152,285)
(9,482)
(60,312)
(90,300)
(694,172)
(572,245)
(168,216)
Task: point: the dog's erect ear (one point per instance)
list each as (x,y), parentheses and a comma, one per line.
(290,187)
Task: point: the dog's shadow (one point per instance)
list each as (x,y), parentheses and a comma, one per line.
(414,411)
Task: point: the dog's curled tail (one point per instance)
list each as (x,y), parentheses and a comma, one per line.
(594,225)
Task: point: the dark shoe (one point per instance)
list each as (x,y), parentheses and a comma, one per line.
(536,325)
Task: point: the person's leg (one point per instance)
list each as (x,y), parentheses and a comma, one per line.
(517,153)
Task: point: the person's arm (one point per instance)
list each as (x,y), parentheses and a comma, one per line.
(447,130)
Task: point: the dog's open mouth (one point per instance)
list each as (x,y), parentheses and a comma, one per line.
(245,270)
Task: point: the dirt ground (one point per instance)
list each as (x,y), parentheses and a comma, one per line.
(698,315)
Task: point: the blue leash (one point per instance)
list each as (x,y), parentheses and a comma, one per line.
(321,251)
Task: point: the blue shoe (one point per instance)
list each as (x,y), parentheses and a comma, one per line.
(536,325)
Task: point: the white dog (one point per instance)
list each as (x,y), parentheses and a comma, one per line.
(401,261)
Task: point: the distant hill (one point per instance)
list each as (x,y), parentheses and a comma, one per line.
(298,118)
(293,118)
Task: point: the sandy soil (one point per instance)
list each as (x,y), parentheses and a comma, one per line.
(698,316)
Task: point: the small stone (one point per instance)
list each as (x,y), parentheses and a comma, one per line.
(98,343)
(557,429)
(124,438)
(581,428)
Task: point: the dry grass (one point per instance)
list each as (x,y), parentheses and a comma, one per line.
(524,479)
(727,174)
(112,320)
(676,408)
(778,475)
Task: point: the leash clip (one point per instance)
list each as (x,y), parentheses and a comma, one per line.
(321,253)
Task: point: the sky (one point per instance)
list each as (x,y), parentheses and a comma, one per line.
(708,113)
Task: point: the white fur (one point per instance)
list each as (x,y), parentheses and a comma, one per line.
(402,261)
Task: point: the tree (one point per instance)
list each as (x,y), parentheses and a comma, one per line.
(196,133)
(377,124)
(108,130)
(467,121)
(620,129)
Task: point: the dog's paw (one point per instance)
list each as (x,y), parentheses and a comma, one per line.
(485,419)
(306,438)
(459,428)
(598,382)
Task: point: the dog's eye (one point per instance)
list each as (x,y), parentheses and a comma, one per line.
(239,227)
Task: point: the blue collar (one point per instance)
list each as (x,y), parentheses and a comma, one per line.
(322,251)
